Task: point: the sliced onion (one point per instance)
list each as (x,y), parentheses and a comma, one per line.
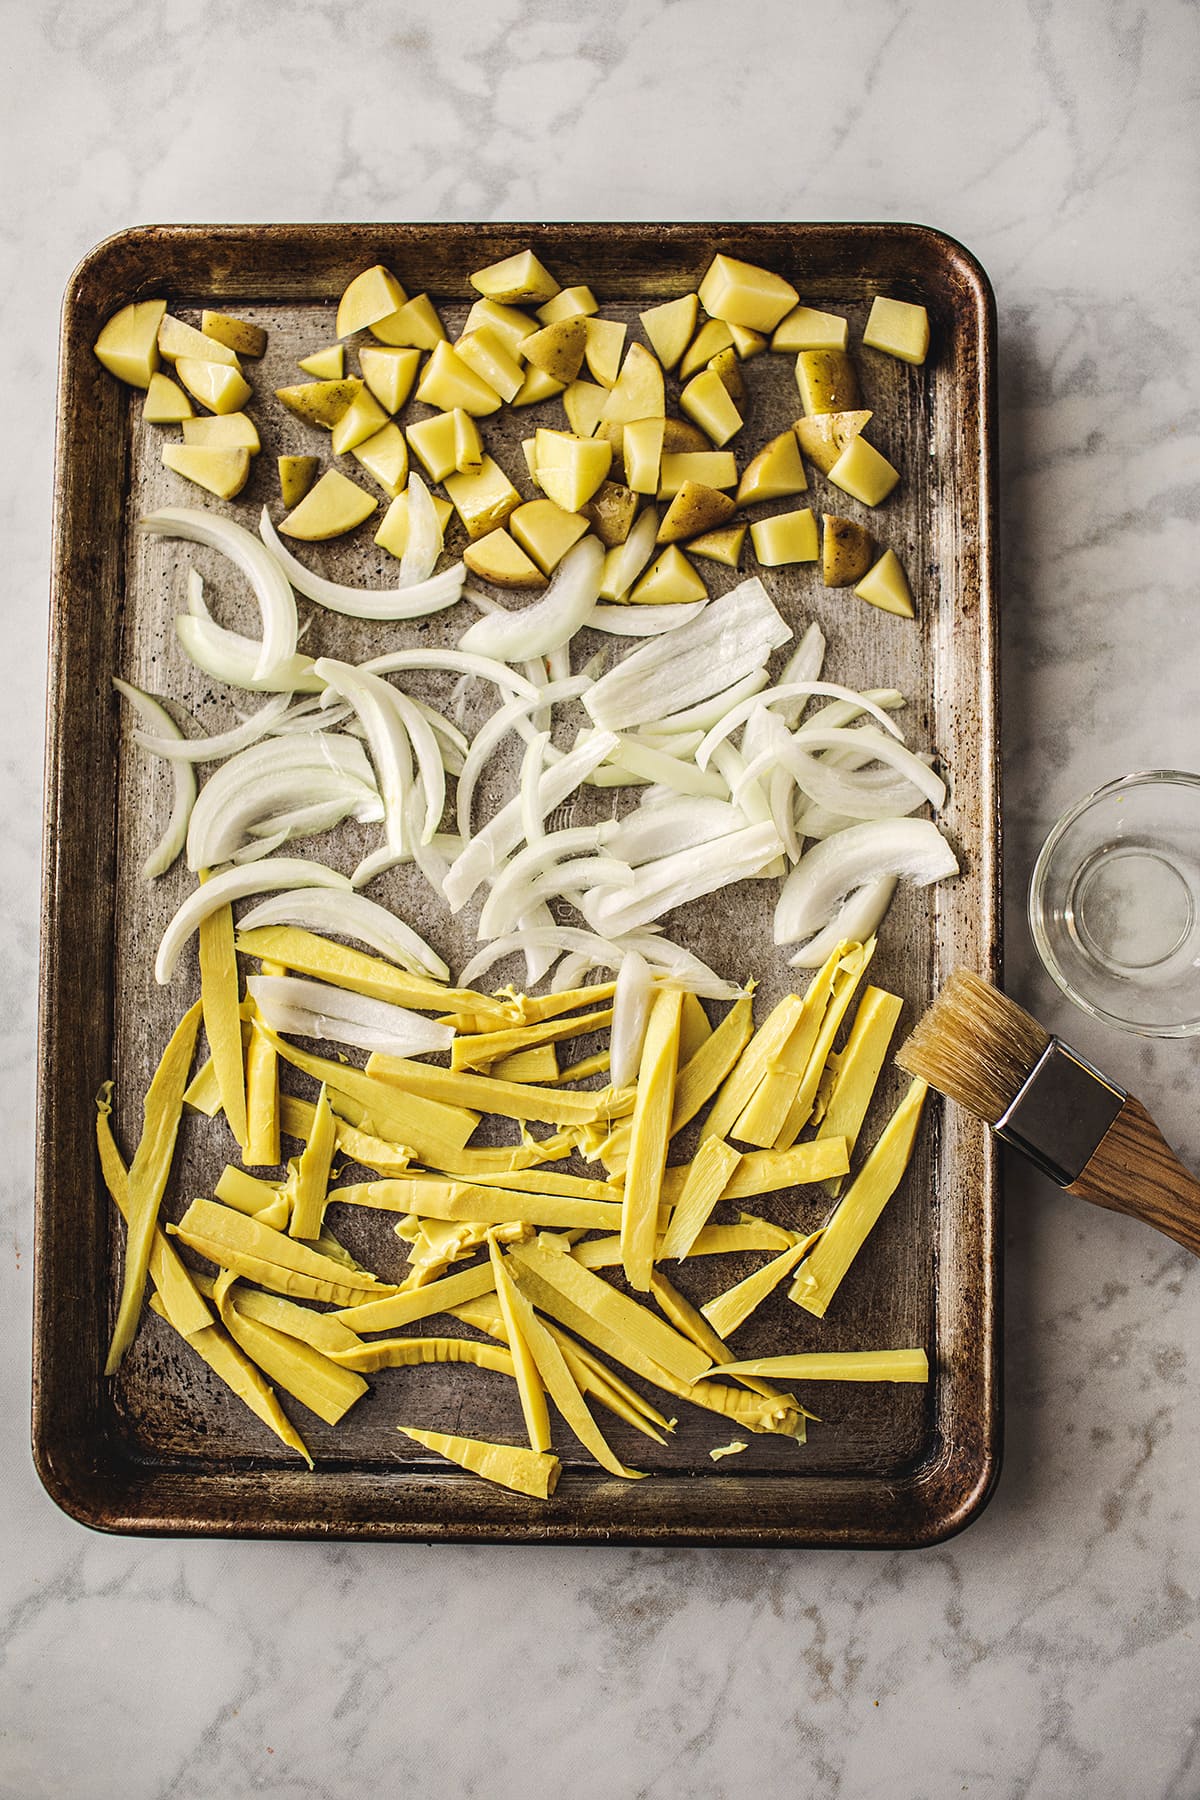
(527,786)
(175,835)
(643,621)
(676,772)
(913,849)
(424,542)
(274,777)
(857,918)
(509,894)
(415,602)
(372,699)
(539,957)
(228,656)
(430,766)
(631,1011)
(789,691)
(236,884)
(677,824)
(672,881)
(866,740)
(680,966)
(351,916)
(732,636)
(537,630)
(461,662)
(492,731)
(633,555)
(317,1009)
(604,954)
(571,970)
(224,743)
(742,784)
(276,602)
(707,713)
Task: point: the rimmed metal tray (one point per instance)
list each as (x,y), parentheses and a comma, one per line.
(164,1448)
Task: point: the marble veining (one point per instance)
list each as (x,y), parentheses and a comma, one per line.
(1050,1653)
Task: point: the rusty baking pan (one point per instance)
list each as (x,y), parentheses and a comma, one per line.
(163,1448)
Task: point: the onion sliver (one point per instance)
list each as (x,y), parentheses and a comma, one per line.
(236,884)
(913,849)
(351,916)
(631,1010)
(673,880)
(707,713)
(493,729)
(661,767)
(677,824)
(276,776)
(224,743)
(461,662)
(424,542)
(643,621)
(684,969)
(174,837)
(276,601)
(882,749)
(857,918)
(603,954)
(372,697)
(553,621)
(344,1016)
(228,656)
(792,690)
(417,602)
(732,636)
(508,896)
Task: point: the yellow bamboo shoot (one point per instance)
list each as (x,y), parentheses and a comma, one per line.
(430,1198)
(309,1376)
(242,1376)
(650,1130)
(510,1099)
(524,1471)
(181,1302)
(481,1049)
(530,1388)
(222,1018)
(607,1308)
(709,1174)
(705,1070)
(309,1179)
(839,1365)
(858,1069)
(732,1308)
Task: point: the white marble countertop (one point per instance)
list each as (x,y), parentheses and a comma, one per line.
(1049,1652)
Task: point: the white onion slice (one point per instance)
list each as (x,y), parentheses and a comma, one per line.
(677,824)
(733,635)
(236,884)
(223,743)
(631,1012)
(228,656)
(537,630)
(317,1009)
(416,602)
(532,764)
(372,697)
(866,740)
(571,971)
(633,555)
(492,731)
(276,602)
(274,777)
(680,966)
(707,712)
(672,881)
(676,772)
(742,784)
(643,621)
(857,918)
(539,957)
(509,894)
(460,662)
(351,916)
(789,691)
(424,542)
(175,835)
(603,953)
(913,849)
(430,766)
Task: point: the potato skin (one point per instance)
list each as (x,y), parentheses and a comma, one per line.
(846,551)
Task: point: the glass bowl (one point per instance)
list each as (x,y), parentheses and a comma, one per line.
(1114,903)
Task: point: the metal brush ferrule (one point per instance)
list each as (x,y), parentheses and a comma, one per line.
(1061,1113)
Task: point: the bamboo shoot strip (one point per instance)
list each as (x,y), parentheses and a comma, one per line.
(510,1466)
(310,1377)
(649,1134)
(478,1050)
(732,1308)
(766,1112)
(510,1099)
(709,1174)
(607,1306)
(305,953)
(309,1177)
(838,1365)
(222,1016)
(419,1303)
(858,1069)
(767,1171)
(230,1362)
(853,968)
(182,1304)
(430,1198)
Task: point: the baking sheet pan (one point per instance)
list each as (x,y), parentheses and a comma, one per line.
(164,1448)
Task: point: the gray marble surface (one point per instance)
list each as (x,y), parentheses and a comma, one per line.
(1050,1652)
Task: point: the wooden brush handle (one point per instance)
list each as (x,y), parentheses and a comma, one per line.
(1133,1170)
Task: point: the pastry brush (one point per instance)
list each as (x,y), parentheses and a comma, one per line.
(984,1051)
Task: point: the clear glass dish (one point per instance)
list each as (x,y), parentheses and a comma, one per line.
(1114,903)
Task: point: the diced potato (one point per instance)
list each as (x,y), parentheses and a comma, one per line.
(900,328)
(845,551)
(886,586)
(827,382)
(642,442)
(447,381)
(557,350)
(713,468)
(787,538)
(128,342)
(743,294)
(334,506)
(713,337)
(748,343)
(605,342)
(499,559)
(516,279)
(175,339)
(296,476)
(221,389)
(725,364)
(610,512)
(536,387)
(484,352)
(805,328)
(568,304)
(229,431)
(694,509)
(385,456)
(670,327)
(393,531)
(166,402)
(570,469)
(236,334)
(706,400)
(362,419)
(669,581)
(435,442)
(776,471)
(468,444)
(389,371)
(508,323)
(638,391)
(371,296)
(415,324)
(484,499)
(824,437)
(681,436)
(320,402)
(326,365)
(545,531)
(223,472)
(529,452)
(863,471)
(723,546)
(583,402)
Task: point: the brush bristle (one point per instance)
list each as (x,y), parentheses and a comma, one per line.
(975,1046)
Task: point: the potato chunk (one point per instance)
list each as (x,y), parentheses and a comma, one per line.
(447,381)
(223,472)
(670,327)
(824,437)
(743,294)
(334,506)
(845,551)
(776,471)
(389,371)
(516,279)
(221,389)
(898,327)
(371,296)
(706,400)
(886,586)
(827,382)
(296,476)
(128,343)
(669,581)
(863,471)
(570,469)
(236,334)
(694,509)
(787,538)
(500,559)
(166,402)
